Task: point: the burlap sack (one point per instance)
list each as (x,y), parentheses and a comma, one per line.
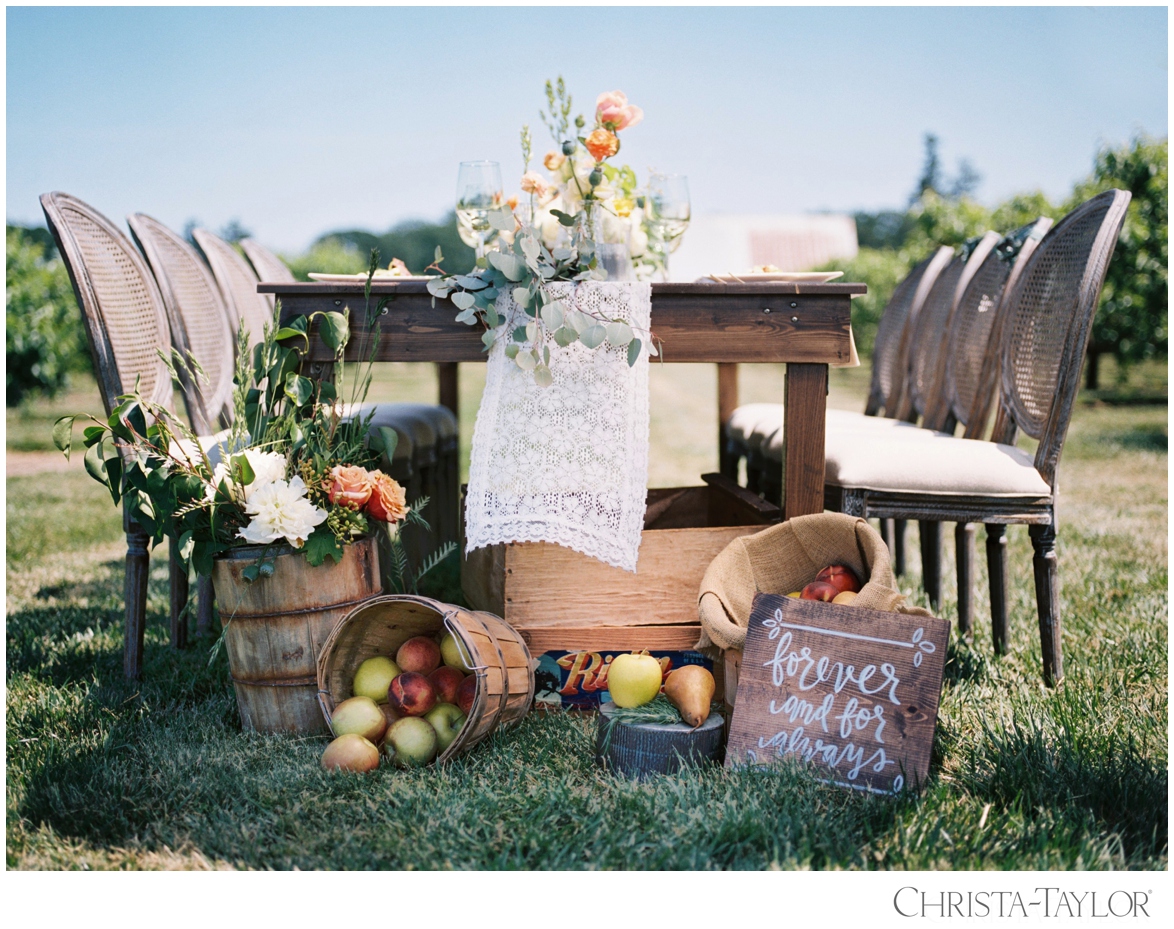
(785,558)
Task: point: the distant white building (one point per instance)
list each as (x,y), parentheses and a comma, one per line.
(720,244)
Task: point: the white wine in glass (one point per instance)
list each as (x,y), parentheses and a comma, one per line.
(668,211)
(479,190)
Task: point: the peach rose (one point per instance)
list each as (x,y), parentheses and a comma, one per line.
(602,144)
(613,111)
(350,486)
(534,183)
(553,161)
(388,501)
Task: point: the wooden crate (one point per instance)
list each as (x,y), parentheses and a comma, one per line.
(563,601)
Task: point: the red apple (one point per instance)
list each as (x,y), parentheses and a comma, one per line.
(411,694)
(447,682)
(467,693)
(419,654)
(816,590)
(840,577)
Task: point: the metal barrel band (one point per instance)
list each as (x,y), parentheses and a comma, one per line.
(314,609)
(288,682)
(451,627)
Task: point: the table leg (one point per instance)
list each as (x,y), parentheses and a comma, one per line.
(446,374)
(804,414)
(727,402)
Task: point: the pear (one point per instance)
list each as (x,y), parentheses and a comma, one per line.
(690,689)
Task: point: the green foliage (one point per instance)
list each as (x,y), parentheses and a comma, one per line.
(413,242)
(45,339)
(1132,321)
(882,269)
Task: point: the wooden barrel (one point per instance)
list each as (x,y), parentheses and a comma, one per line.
(277,626)
(505,672)
(642,749)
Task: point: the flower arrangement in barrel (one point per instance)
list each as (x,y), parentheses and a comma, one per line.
(292,469)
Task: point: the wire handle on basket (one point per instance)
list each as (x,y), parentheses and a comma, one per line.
(468,658)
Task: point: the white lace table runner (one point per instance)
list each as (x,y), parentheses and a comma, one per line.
(567,463)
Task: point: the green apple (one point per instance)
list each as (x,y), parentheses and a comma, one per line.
(373,677)
(447,720)
(454,653)
(633,680)
(358,715)
(411,742)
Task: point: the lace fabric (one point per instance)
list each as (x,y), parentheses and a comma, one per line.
(568,463)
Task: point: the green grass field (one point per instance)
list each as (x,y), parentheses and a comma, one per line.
(103,773)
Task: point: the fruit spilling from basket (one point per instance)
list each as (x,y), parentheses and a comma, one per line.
(410,708)
(836,583)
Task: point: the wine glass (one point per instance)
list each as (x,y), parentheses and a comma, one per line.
(479,190)
(668,211)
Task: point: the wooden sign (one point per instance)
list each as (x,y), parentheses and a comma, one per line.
(853,691)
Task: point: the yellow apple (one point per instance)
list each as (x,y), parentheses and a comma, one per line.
(633,680)
(373,677)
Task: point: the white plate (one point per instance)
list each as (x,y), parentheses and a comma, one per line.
(351,278)
(791,277)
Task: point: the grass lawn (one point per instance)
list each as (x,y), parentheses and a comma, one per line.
(102,773)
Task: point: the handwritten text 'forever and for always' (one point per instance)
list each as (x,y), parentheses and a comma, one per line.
(800,671)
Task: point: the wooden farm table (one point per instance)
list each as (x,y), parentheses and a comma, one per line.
(804,325)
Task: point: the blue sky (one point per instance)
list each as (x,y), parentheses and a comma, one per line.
(302,120)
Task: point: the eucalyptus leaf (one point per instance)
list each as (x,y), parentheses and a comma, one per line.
(594,336)
(619,334)
(542,376)
(527,360)
(488,338)
(580,322)
(552,314)
(502,220)
(521,296)
(491,317)
(565,336)
(520,334)
(530,248)
(562,254)
(511,350)
(469,282)
(633,351)
(462,300)
(532,331)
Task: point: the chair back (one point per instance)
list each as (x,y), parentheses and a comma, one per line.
(238,285)
(887,378)
(199,319)
(124,314)
(267,265)
(927,355)
(1047,324)
(896,404)
(973,340)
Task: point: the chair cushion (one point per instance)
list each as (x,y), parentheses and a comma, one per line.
(758,426)
(847,423)
(931,462)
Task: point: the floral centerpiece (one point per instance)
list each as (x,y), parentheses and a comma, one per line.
(554,236)
(293,469)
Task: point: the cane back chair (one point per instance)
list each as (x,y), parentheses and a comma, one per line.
(1043,333)
(127,326)
(200,322)
(238,286)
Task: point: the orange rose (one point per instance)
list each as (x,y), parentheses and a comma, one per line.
(349,486)
(602,144)
(388,501)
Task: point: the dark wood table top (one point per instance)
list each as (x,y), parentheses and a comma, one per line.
(760,322)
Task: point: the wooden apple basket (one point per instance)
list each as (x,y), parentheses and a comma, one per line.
(501,660)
